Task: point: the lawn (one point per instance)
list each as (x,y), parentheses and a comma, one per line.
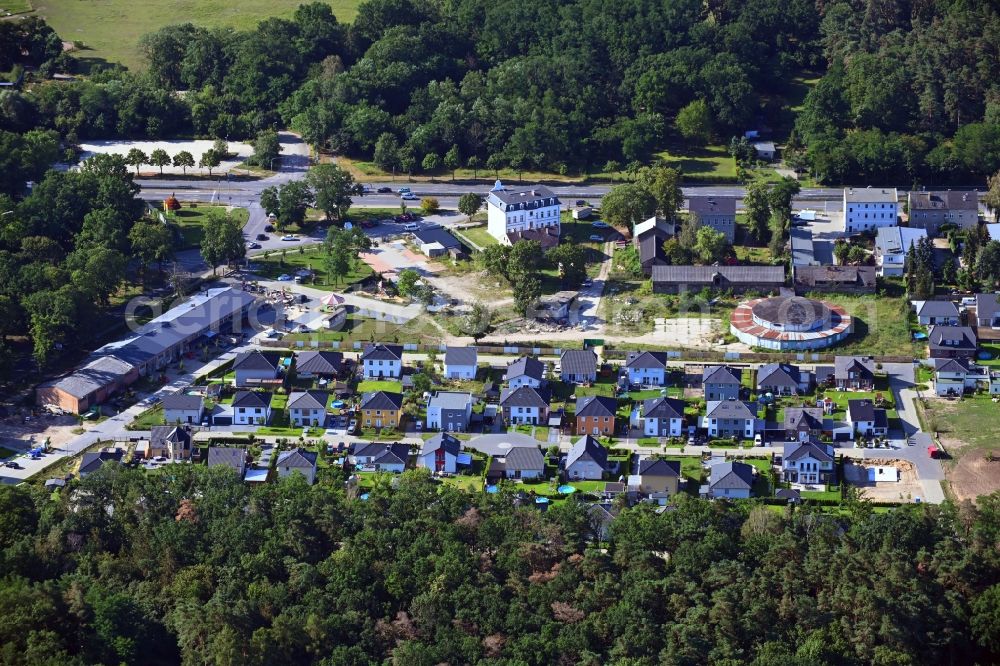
(288,261)
(148,419)
(701,163)
(380,385)
(110,29)
(355,328)
(476,236)
(974,420)
(691,470)
(550,488)
(463,482)
(830,495)
(880,325)
(191,222)
(16,6)
(840,399)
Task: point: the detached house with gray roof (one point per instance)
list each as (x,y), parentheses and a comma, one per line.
(929,210)
(716,212)
(308,408)
(809,462)
(525,371)
(730,480)
(520,462)
(256,368)
(440,453)
(170,441)
(460,362)
(587,460)
(730,418)
(525,405)
(595,415)
(646,368)
(655,476)
(578,366)
(379,361)
(783,379)
(988,310)
(93,461)
(803,423)
(297,461)
(323,364)
(937,313)
(375,457)
(450,411)
(952,342)
(251,408)
(230,457)
(854,372)
(183,408)
(662,417)
(866,419)
(515,213)
(721,382)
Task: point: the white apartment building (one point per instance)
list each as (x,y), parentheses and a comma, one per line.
(870,208)
(523,212)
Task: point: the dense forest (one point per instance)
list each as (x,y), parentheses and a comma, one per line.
(910,91)
(193,566)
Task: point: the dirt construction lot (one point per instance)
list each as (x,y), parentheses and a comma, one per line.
(20,436)
(972,474)
(968,431)
(903,490)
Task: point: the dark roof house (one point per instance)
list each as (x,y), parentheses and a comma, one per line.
(321,363)
(596,405)
(384,400)
(578,362)
(381,352)
(587,449)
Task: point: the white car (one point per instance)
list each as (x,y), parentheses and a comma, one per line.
(411,226)
(408,196)
(289,237)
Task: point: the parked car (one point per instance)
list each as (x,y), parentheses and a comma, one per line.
(402,190)
(408,196)
(600,225)
(253,246)
(284,277)
(289,237)
(269,228)
(411,226)
(596,237)
(384,190)
(581,202)
(261,237)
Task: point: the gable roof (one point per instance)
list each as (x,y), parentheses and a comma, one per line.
(461,356)
(449,400)
(663,408)
(957,365)
(308,400)
(952,337)
(987,305)
(297,457)
(578,362)
(646,359)
(518,198)
(731,475)
(251,399)
(797,450)
(587,449)
(386,400)
(818,276)
(442,440)
(92,377)
(729,409)
(763,275)
(659,467)
(863,365)
(524,457)
(384,454)
(944,200)
(525,366)
(596,405)
(871,195)
(898,240)
(778,374)
(381,352)
(937,309)
(182,401)
(721,374)
(810,417)
(319,362)
(256,360)
(861,410)
(90,462)
(231,457)
(712,205)
(526,396)
(160,435)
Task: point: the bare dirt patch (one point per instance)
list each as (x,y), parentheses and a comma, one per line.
(18,435)
(903,490)
(973,474)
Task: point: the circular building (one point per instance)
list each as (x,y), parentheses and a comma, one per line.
(789,323)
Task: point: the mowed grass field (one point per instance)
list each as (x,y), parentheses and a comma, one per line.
(110,29)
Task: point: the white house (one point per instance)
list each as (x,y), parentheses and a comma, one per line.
(448,410)
(646,368)
(870,208)
(460,363)
(808,462)
(662,417)
(866,419)
(586,460)
(307,408)
(374,457)
(378,361)
(251,408)
(256,368)
(525,371)
(297,461)
(440,453)
(523,212)
(183,408)
(937,313)
(891,245)
(732,480)
(730,418)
